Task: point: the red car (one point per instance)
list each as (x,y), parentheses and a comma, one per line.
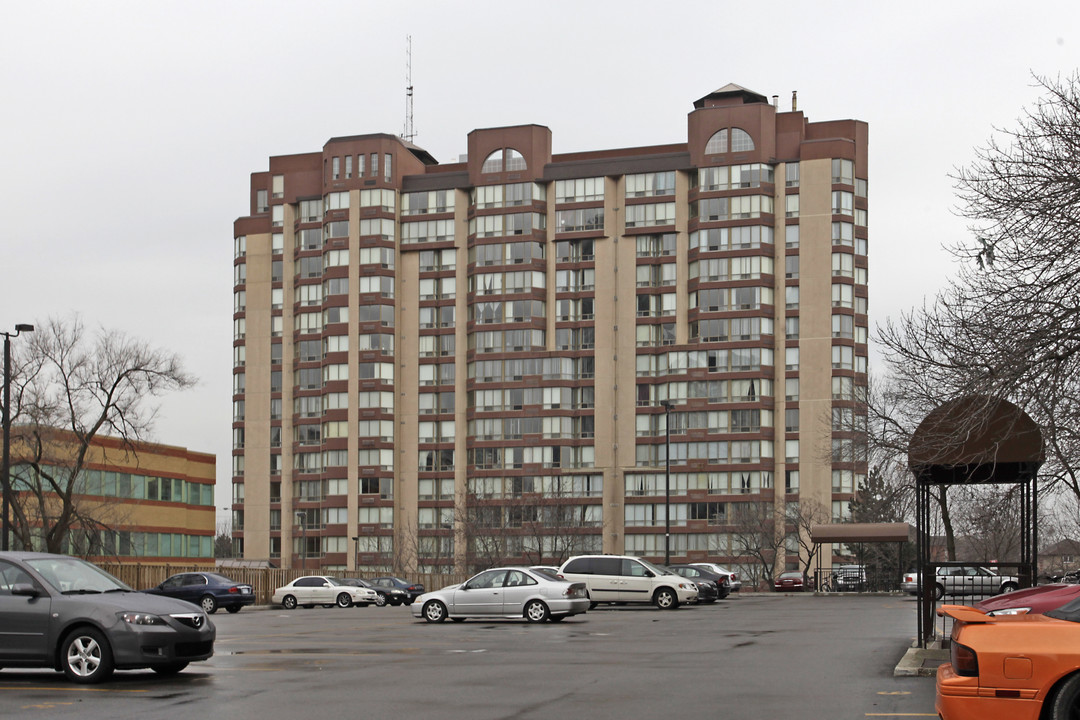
(1030,601)
(789,582)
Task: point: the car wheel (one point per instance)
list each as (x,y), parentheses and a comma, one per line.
(380,601)
(170,669)
(209,604)
(1066,701)
(939,591)
(343,600)
(288,602)
(536,611)
(233,609)
(665,599)
(85,656)
(1009,587)
(434,611)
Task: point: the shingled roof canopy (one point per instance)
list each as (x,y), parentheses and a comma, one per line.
(976,439)
(860,533)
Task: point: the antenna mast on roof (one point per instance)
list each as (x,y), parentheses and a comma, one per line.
(409,133)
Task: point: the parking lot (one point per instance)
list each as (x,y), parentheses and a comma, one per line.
(750,656)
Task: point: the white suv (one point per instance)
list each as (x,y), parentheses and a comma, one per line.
(628,579)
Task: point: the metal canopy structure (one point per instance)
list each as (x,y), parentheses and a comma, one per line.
(971,441)
(854,533)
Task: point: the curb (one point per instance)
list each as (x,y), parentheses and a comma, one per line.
(914,662)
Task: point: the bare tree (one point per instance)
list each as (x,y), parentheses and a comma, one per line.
(757,535)
(541,521)
(1008,326)
(74,387)
(800,518)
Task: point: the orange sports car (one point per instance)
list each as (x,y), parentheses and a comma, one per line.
(1011,667)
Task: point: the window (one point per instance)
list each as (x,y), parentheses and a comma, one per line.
(650,184)
(580,220)
(843,203)
(791,297)
(741,141)
(791,236)
(843,172)
(579,190)
(514,160)
(791,174)
(843,233)
(791,267)
(791,206)
(649,215)
(843,326)
(791,420)
(502,159)
(718,143)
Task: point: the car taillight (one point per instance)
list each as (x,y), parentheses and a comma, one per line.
(964,660)
(734,577)
(234,589)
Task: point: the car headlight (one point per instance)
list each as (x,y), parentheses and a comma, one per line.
(137,618)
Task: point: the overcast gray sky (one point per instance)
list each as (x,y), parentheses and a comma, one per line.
(130,129)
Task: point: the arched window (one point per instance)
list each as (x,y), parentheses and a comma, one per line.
(717,143)
(494,162)
(507,159)
(514,160)
(741,141)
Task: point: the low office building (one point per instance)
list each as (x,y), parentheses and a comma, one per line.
(148,503)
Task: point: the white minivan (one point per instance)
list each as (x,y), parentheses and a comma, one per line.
(627,579)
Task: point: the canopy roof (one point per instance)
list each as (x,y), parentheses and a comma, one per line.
(861,532)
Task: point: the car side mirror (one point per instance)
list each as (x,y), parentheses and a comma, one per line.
(25,590)
(649,573)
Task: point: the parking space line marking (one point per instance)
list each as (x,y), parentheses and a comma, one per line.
(59,688)
(901,714)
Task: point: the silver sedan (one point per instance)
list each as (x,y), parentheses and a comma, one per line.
(509,592)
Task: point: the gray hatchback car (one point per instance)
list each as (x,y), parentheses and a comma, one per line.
(64,613)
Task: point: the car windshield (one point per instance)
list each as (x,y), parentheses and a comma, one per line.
(74,576)
(334,581)
(1069,611)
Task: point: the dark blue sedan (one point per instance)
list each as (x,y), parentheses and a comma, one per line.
(207,590)
(412,590)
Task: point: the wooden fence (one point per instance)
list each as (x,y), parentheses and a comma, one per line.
(263,581)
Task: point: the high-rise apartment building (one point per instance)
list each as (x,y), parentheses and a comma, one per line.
(527,355)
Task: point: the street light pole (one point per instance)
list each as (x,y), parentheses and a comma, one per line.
(303,541)
(356,562)
(667,481)
(5,468)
